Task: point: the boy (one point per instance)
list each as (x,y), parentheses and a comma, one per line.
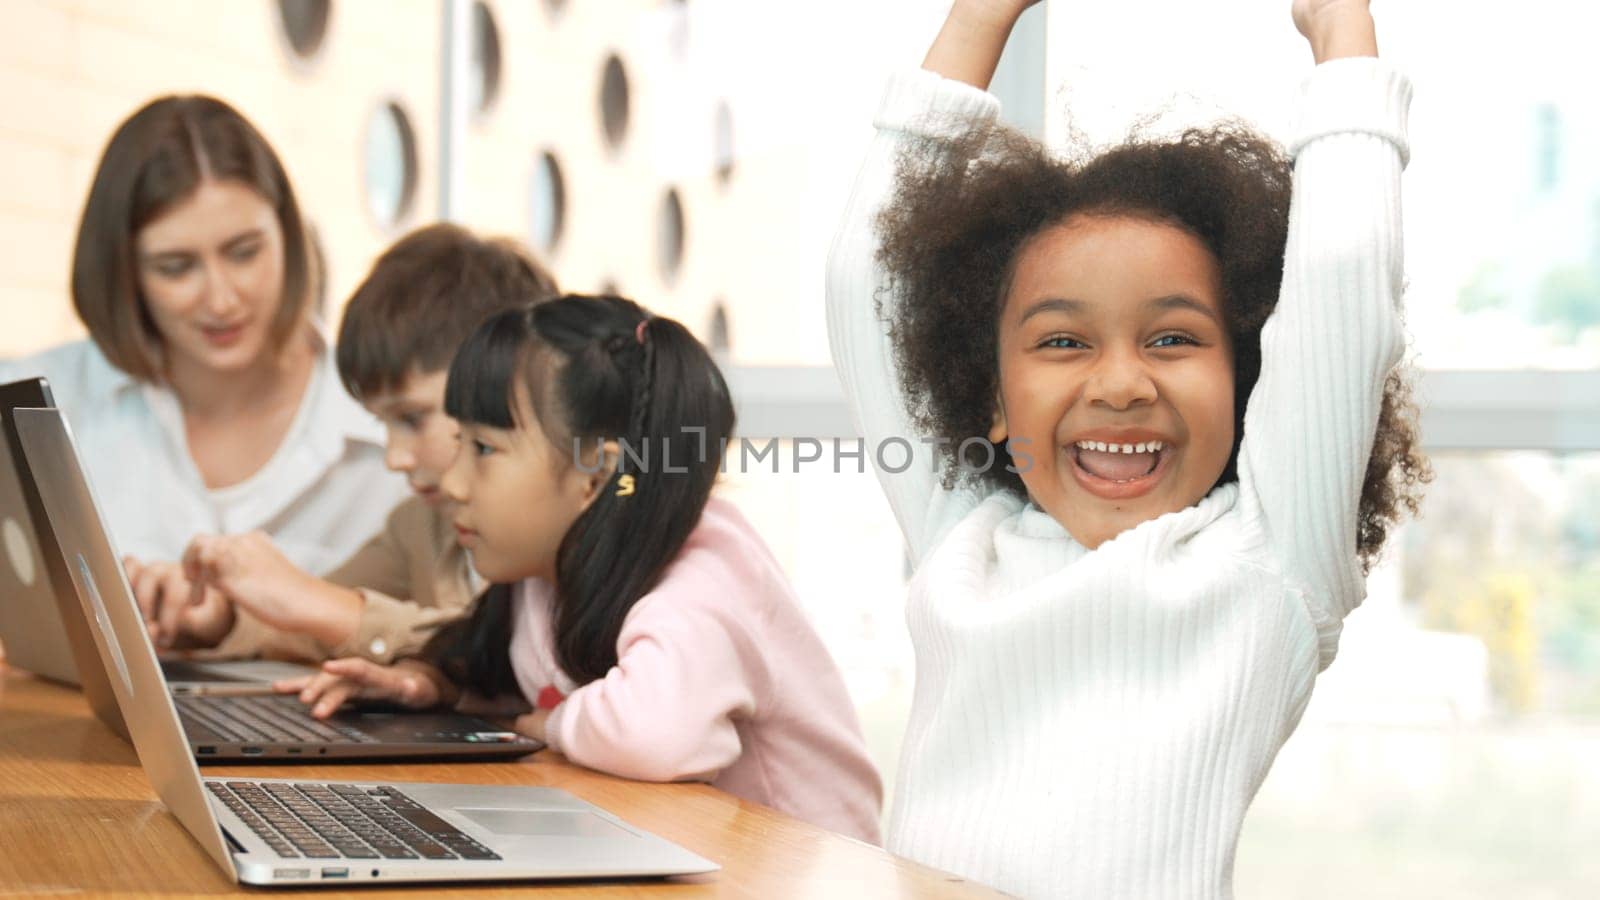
(239,596)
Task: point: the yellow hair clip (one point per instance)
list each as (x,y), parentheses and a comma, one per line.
(625,486)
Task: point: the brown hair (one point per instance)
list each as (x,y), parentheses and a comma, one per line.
(157,158)
(424,296)
(963,210)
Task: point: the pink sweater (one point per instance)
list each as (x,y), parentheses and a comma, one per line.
(719,678)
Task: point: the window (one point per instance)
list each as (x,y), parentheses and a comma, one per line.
(1450,747)
(1508,554)
(1502,197)
(1515,281)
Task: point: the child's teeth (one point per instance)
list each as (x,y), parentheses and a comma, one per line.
(1103,447)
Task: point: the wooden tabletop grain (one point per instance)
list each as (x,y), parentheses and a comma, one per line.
(78,817)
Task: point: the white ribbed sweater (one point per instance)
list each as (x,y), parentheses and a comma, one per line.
(1095,723)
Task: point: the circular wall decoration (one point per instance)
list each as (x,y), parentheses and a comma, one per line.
(390,158)
(548,202)
(484,86)
(305,24)
(722,143)
(718,337)
(670,236)
(614,102)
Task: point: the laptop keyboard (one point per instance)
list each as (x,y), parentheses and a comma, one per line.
(344,821)
(269,719)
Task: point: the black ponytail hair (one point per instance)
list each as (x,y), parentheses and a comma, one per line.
(594,369)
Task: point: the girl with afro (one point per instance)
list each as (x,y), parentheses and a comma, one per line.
(1152,433)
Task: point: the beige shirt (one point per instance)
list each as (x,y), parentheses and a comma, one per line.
(415,579)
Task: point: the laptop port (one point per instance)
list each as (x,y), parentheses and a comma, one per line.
(205,751)
(293,750)
(252,751)
(336,873)
(291,873)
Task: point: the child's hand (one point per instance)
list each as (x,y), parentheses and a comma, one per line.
(531,724)
(998,11)
(969,45)
(359,679)
(176,613)
(1336,28)
(253,573)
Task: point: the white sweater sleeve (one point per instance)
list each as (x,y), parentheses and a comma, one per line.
(915,105)
(1335,335)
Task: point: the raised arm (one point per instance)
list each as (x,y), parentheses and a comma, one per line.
(974,35)
(944,97)
(1336,29)
(1330,344)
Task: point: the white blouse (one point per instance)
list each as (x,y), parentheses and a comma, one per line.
(323,492)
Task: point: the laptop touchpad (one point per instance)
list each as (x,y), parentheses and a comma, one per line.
(544,822)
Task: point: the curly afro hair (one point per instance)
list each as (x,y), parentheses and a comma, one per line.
(962,211)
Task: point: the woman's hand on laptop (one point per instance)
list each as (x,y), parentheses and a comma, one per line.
(175,613)
(254,574)
(409,682)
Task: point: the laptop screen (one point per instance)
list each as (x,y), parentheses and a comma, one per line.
(124,649)
(30,623)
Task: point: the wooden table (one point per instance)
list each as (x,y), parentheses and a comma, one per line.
(77,816)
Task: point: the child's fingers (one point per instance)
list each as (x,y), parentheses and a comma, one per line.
(334,698)
(145,592)
(349,667)
(292,685)
(370,679)
(317,685)
(411,690)
(354,677)
(197,556)
(174,602)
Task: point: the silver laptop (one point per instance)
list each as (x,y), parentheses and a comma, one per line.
(30,624)
(39,635)
(269,831)
(229,728)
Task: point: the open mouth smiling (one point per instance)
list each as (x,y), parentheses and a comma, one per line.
(1118,471)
